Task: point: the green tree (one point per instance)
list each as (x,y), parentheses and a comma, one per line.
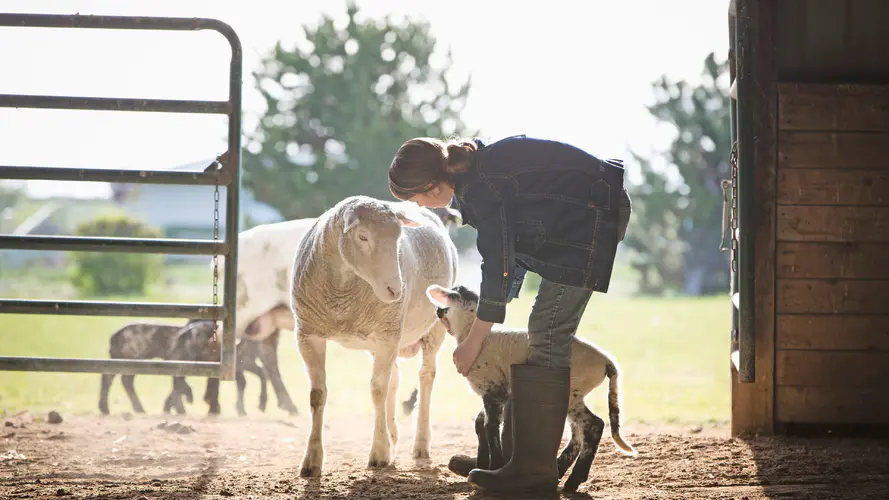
(339,107)
(677,210)
(104,273)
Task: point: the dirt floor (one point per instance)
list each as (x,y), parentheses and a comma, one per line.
(150,457)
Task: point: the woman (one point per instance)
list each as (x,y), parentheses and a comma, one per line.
(537,205)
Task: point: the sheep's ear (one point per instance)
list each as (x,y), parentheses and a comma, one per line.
(350,219)
(438,295)
(407,221)
(453,213)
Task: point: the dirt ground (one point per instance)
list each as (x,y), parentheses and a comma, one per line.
(150,457)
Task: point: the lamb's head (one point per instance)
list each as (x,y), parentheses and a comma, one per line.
(205,339)
(456,308)
(369,245)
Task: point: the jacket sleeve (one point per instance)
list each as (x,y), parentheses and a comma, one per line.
(495,244)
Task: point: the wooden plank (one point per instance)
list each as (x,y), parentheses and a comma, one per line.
(753,403)
(840,150)
(829,107)
(833,187)
(844,369)
(833,332)
(833,223)
(832,405)
(805,296)
(833,260)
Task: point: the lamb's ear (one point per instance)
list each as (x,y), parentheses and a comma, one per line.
(438,295)
(453,214)
(406,220)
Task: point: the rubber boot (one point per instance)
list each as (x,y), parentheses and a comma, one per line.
(462,465)
(539,407)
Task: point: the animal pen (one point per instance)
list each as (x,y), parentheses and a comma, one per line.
(224,172)
(811,315)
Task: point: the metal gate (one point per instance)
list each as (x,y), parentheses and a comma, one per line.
(225,171)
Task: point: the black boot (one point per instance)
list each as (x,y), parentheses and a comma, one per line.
(539,407)
(462,465)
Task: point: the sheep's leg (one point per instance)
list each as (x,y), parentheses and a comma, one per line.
(314,352)
(493,402)
(107,379)
(592,427)
(391,397)
(268,354)
(423,437)
(211,395)
(384,359)
(506,435)
(131,392)
(251,366)
(241,383)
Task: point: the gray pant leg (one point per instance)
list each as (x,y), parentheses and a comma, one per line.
(554,319)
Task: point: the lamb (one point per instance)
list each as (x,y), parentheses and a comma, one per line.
(489,378)
(359,278)
(195,341)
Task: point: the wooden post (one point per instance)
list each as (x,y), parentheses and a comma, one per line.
(753,403)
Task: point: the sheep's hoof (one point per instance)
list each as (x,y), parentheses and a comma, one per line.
(310,471)
(571,485)
(421,454)
(377,463)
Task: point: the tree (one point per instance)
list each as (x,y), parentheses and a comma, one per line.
(677,220)
(339,107)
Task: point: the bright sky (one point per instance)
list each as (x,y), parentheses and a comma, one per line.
(578,71)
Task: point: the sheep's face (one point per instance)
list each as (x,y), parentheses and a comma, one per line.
(369,246)
(456,308)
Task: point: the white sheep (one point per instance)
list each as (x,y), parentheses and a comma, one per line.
(359,278)
(489,378)
(265,256)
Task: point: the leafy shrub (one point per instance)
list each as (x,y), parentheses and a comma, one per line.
(106,273)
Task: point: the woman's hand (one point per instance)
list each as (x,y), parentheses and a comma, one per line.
(467,351)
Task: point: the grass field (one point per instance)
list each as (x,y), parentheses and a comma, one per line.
(673,354)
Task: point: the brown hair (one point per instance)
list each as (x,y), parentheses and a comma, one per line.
(421,163)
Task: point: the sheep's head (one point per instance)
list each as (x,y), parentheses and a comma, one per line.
(456,308)
(369,245)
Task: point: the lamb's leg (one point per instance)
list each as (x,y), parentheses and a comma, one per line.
(384,359)
(241,383)
(107,379)
(463,464)
(431,345)
(575,443)
(493,402)
(268,354)
(391,398)
(131,392)
(314,352)
(211,396)
(592,427)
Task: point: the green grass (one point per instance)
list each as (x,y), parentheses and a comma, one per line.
(673,354)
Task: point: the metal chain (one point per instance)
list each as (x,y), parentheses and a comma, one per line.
(733,160)
(217,166)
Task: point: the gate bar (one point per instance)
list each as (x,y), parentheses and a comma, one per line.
(121,366)
(113,104)
(101,308)
(129,245)
(128,176)
(228,175)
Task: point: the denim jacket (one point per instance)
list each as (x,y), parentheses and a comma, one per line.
(543,206)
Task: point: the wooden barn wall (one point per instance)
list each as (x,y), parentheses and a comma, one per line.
(832,254)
